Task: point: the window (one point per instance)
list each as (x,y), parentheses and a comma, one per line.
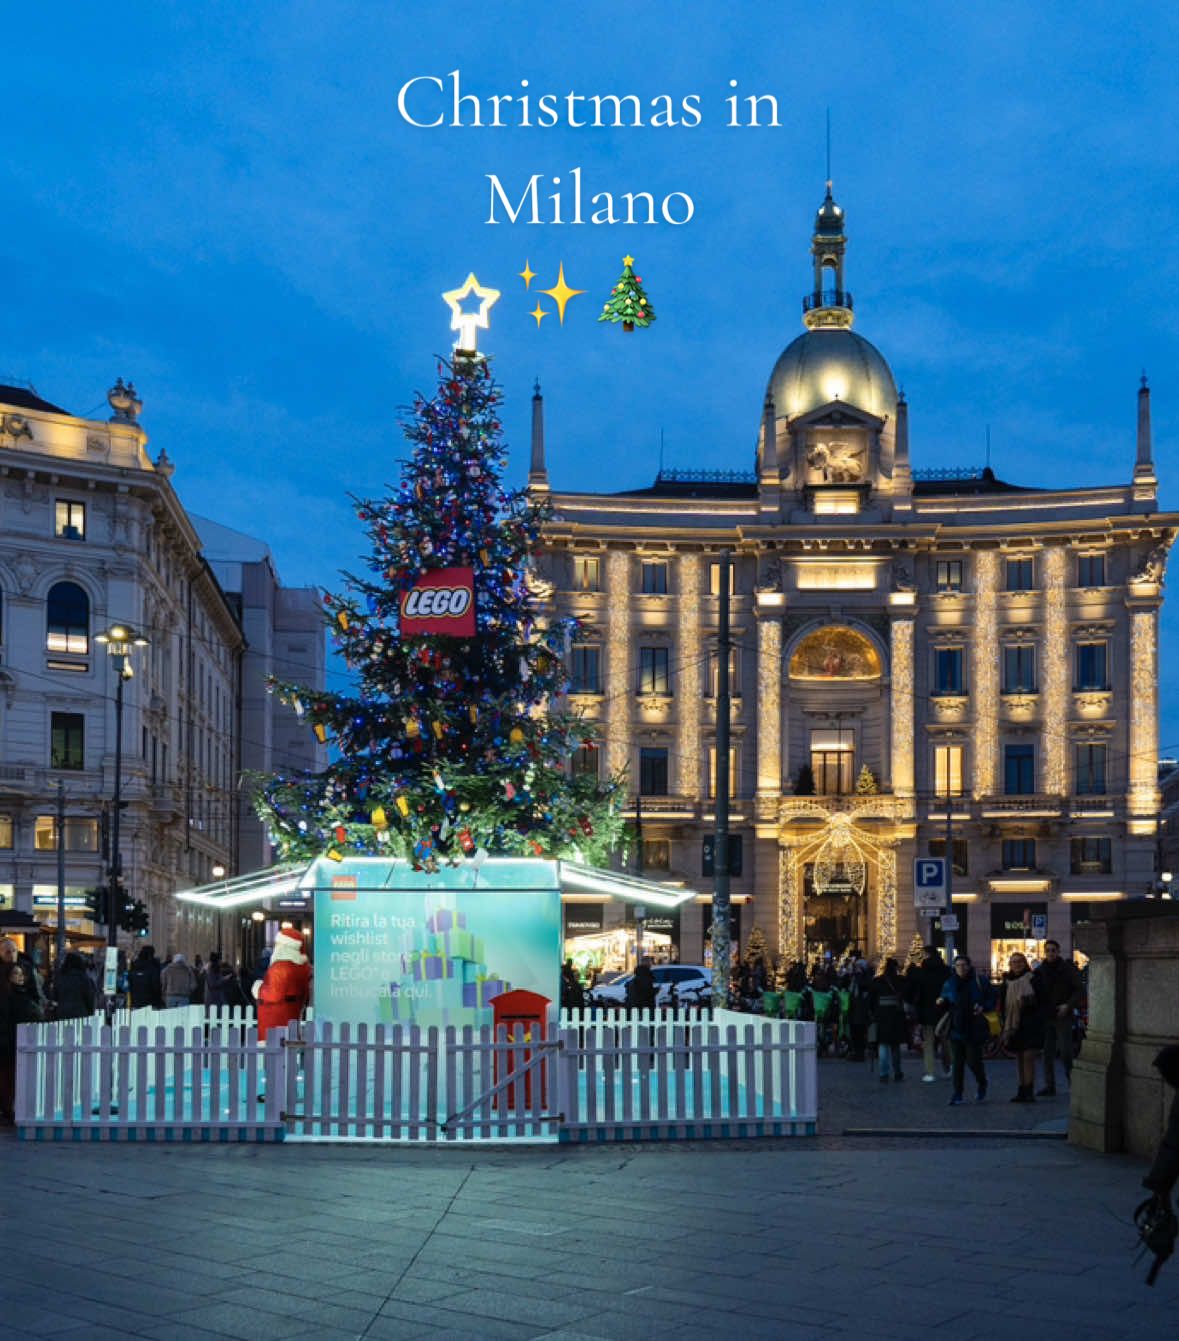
(714,579)
(712,770)
(1092,668)
(1090,770)
(1019,770)
(937,848)
(948,671)
(1090,856)
(67,619)
(585,761)
(585,676)
(708,854)
(81,835)
(67,740)
(653,772)
(70,522)
(1019,669)
(1019,854)
(948,761)
(833,756)
(654,578)
(587,574)
(1091,570)
(949,575)
(734,676)
(5,831)
(656,854)
(1020,574)
(653,672)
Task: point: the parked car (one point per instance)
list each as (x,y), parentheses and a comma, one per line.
(689,982)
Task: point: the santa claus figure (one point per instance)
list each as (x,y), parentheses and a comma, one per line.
(284,993)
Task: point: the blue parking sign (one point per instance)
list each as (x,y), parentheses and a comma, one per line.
(929,882)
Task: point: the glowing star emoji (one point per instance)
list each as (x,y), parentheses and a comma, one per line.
(560,293)
(527,274)
(466,323)
(539,313)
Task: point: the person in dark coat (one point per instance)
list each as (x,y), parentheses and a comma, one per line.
(859,1009)
(572,992)
(967,1000)
(1021,1007)
(74,989)
(923,986)
(641,990)
(1060,982)
(887,998)
(1164,1172)
(145,980)
(16,1007)
(220,982)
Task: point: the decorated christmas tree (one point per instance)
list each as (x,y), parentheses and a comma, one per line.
(757,950)
(866,784)
(455,743)
(628,301)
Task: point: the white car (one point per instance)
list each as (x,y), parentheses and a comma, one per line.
(690,983)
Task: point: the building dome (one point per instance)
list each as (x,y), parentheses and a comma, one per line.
(829,217)
(832,364)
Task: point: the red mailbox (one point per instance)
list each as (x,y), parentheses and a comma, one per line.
(524,1016)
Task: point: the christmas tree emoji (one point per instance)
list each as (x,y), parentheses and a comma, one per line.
(627,302)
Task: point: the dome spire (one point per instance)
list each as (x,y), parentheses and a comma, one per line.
(829,304)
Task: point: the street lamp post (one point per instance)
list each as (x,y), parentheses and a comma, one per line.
(119,639)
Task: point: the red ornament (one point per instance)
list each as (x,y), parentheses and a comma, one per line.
(341,833)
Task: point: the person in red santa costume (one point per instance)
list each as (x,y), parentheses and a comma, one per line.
(285,992)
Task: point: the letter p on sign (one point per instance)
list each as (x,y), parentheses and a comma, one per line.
(929,882)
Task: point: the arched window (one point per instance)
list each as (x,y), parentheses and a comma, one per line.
(835,653)
(67,619)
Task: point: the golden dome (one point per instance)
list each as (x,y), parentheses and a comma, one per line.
(832,365)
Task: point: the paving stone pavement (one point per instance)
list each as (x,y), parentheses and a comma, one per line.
(870,1239)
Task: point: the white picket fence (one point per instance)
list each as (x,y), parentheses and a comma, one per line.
(174,1076)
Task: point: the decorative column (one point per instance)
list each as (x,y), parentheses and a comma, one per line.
(902,702)
(790,923)
(1144,713)
(985,671)
(886,900)
(692,665)
(618,687)
(769,705)
(1055,683)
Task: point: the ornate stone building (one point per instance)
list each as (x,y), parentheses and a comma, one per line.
(907,642)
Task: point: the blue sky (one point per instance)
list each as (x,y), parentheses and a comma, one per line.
(220,201)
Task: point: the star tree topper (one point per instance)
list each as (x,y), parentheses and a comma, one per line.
(467,323)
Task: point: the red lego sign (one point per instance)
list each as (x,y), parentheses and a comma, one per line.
(440,601)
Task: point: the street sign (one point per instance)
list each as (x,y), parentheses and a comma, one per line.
(640,912)
(1039,926)
(949,921)
(110,977)
(929,882)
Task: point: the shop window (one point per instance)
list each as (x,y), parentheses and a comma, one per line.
(6,832)
(1019,669)
(1019,770)
(70,520)
(81,835)
(714,578)
(937,848)
(67,740)
(1091,570)
(949,575)
(833,757)
(653,772)
(948,769)
(585,668)
(1020,575)
(654,675)
(585,761)
(1019,854)
(1090,770)
(67,619)
(708,854)
(1092,666)
(654,578)
(733,767)
(656,854)
(1090,856)
(587,573)
(948,677)
(734,673)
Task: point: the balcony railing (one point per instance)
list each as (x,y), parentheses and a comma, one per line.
(827,298)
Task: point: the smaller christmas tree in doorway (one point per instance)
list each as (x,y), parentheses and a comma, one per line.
(628,302)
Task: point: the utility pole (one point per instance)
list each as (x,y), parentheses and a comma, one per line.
(949,908)
(61,915)
(721,952)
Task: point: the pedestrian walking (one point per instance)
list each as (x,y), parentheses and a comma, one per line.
(17,1006)
(220,982)
(1060,983)
(641,990)
(572,992)
(144,980)
(887,996)
(198,992)
(1021,1006)
(859,1010)
(177,982)
(923,985)
(74,989)
(967,1000)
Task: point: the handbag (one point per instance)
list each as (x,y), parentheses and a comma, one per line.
(994,1026)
